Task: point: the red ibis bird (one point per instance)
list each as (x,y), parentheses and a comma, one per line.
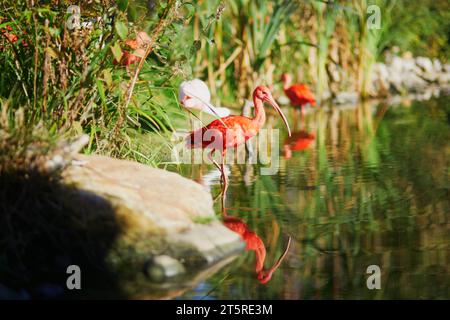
(231,131)
(194,94)
(298,94)
(254,242)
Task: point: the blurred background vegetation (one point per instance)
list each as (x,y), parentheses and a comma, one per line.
(65,81)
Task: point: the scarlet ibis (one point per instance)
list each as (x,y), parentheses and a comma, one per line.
(254,242)
(231,131)
(194,94)
(300,140)
(298,94)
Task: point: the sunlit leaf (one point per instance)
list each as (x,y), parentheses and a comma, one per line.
(116,51)
(121,29)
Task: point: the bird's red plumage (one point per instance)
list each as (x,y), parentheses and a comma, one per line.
(252,240)
(299,94)
(299,140)
(254,243)
(231,131)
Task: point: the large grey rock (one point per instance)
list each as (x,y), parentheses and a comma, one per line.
(406,74)
(346,98)
(444,78)
(145,199)
(447,68)
(168,228)
(412,82)
(425,64)
(428,70)
(164,267)
(437,66)
(380,78)
(410,74)
(395,71)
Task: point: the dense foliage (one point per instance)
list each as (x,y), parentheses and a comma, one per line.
(67,80)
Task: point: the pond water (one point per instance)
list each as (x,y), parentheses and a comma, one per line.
(356,186)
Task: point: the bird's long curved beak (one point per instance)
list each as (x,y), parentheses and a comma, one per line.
(214,113)
(211,110)
(208,105)
(275,105)
(268,274)
(280,259)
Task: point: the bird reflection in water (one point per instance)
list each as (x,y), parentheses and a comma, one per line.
(299,141)
(255,243)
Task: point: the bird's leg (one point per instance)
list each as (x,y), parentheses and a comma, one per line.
(249,149)
(225,180)
(224,198)
(302,119)
(211,157)
(295,118)
(191,121)
(224,176)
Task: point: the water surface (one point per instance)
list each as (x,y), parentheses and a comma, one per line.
(357,186)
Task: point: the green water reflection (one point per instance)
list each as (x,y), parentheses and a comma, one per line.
(366,185)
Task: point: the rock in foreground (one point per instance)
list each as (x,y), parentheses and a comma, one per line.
(145,199)
(132,230)
(168,229)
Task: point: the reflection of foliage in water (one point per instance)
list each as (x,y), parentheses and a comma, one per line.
(373,190)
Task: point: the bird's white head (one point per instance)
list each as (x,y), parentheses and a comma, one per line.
(194,94)
(196,91)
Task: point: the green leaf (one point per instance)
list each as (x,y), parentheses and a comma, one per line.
(108,77)
(101,91)
(116,51)
(122,30)
(122,4)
